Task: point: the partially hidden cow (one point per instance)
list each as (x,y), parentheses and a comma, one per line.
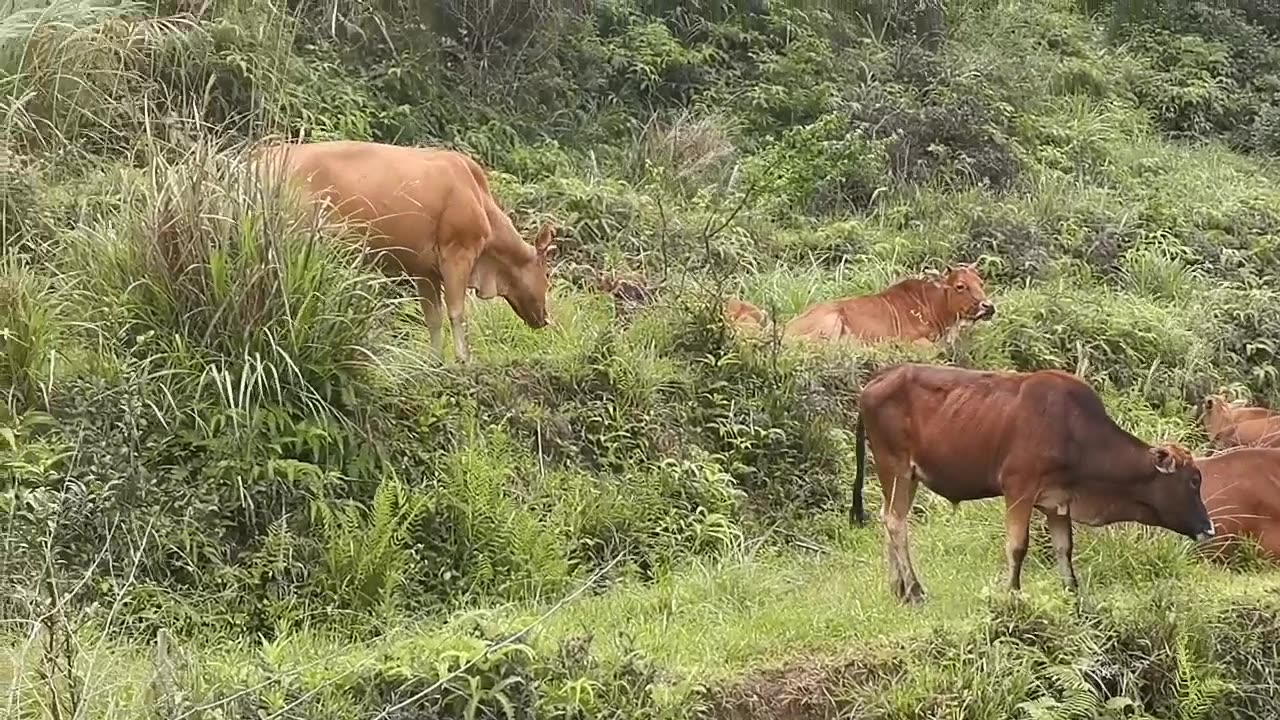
(1232,425)
(918,310)
(1241,490)
(1042,440)
(742,315)
(428,213)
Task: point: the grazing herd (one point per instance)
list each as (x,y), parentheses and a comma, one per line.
(1041,440)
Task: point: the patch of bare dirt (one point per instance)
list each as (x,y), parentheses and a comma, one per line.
(804,690)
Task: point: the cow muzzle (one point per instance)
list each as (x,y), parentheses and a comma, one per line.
(1204,535)
(538,321)
(985,311)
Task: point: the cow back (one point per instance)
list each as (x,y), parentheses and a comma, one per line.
(415,203)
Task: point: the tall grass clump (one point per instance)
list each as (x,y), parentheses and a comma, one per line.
(225,350)
(32,315)
(222,278)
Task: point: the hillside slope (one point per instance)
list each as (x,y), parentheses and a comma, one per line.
(219,423)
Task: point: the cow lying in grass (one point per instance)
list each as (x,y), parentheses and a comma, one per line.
(1232,425)
(915,310)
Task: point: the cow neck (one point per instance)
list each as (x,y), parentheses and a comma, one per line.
(928,295)
(505,252)
(1119,505)
(1116,485)
(1217,421)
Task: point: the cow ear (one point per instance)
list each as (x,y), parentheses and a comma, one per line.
(1165,462)
(545,236)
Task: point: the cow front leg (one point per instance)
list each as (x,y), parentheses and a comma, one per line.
(1017,526)
(456,271)
(1059,523)
(429,297)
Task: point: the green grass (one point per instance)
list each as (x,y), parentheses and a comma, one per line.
(717,622)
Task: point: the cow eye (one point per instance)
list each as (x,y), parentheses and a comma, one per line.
(960,287)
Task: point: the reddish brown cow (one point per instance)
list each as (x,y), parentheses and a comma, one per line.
(1041,440)
(917,310)
(1241,491)
(1231,425)
(430,214)
(743,315)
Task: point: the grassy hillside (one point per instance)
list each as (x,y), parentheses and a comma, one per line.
(236,483)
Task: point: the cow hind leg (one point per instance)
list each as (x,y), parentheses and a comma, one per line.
(899,493)
(1059,524)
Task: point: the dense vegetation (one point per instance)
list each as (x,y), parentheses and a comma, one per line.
(237,484)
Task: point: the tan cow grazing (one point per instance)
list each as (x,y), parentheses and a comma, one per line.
(745,316)
(919,310)
(430,214)
(1231,425)
(1041,440)
(1241,491)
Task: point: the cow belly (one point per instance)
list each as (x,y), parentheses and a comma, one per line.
(956,487)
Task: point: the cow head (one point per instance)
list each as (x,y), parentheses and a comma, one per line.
(1172,492)
(743,314)
(525,286)
(1216,413)
(963,293)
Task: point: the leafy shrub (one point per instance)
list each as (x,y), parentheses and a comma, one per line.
(822,168)
(960,142)
(1102,336)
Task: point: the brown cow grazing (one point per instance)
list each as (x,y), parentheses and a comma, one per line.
(431,215)
(743,315)
(1231,424)
(1041,440)
(919,310)
(1241,491)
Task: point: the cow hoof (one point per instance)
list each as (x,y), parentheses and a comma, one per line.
(909,595)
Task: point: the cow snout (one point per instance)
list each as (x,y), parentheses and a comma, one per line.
(986,310)
(540,320)
(1205,534)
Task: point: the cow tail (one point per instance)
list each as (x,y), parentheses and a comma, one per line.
(857,513)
